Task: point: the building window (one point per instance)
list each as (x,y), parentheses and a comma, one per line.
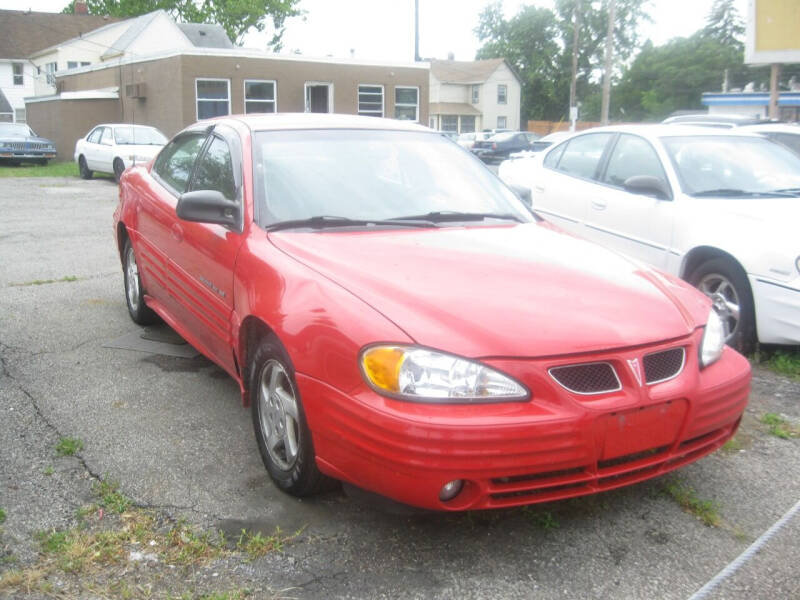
(370,100)
(213,98)
(502,93)
(72,64)
(501,122)
(259,96)
(432,122)
(450,123)
(19,115)
(467,124)
(406,103)
(17,68)
(476,94)
(49,69)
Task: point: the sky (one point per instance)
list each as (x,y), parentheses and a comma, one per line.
(384,29)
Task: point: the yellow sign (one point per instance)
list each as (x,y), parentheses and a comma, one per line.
(773,31)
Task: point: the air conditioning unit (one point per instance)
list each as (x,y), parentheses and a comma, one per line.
(135,90)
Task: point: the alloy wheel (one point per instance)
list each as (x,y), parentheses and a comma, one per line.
(279,418)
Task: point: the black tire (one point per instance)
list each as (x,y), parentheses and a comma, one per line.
(140,313)
(83,168)
(295,474)
(119,169)
(724,276)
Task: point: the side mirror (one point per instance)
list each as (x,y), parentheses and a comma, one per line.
(208,206)
(522,192)
(648,185)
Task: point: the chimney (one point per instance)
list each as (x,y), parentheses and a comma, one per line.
(80,8)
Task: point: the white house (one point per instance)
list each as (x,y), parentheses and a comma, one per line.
(475,95)
(147,34)
(21,34)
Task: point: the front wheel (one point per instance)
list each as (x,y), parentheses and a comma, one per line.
(725,282)
(84,168)
(134,292)
(282,434)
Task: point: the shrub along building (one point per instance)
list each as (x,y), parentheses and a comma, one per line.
(174,89)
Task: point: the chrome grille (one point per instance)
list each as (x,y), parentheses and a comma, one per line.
(588,378)
(22,146)
(663,366)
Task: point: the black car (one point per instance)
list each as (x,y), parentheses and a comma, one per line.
(18,143)
(499,146)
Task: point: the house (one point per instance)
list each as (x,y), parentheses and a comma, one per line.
(23,33)
(475,95)
(173,89)
(147,34)
(753,104)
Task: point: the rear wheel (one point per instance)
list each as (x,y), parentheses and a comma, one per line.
(282,434)
(83,168)
(134,292)
(119,168)
(725,282)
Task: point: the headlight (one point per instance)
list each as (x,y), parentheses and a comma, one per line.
(422,375)
(713,340)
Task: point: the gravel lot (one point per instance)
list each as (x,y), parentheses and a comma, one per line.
(173,433)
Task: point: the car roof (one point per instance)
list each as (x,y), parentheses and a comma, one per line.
(773,127)
(659,130)
(714,118)
(286,121)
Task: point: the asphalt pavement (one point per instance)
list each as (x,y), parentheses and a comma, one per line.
(172,431)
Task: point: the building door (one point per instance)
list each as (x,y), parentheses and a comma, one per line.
(319,97)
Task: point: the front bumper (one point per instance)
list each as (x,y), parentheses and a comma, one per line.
(777,311)
(558,445)
(26,155)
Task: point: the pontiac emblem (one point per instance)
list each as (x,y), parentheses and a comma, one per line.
(633,363)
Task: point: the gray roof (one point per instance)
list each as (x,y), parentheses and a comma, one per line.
(452,108)
(205,35)
(459,71)
(24,32)
(137,26)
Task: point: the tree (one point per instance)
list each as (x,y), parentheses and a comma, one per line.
(237,17)
(724,25)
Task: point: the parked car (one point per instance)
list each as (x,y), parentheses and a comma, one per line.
(537,145)
(498,147)
(787,134)
(721,121)
(402,322)
(113,147)
(19,143)
(718,208)
(468,140)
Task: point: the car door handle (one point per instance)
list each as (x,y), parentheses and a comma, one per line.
(177,232)
(598,205)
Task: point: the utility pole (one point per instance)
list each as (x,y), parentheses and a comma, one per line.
(774,92)
(573,101)
(416,31)
(609,61)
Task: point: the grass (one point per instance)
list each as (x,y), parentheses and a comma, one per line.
(68,446)
(733,445)
(783,361)
(2,516)
(256,545)
(541,519)
(706,511)
(780,427)
(48,471)
(52,169)
(67,278)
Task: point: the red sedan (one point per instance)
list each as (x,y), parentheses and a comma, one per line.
(397,319)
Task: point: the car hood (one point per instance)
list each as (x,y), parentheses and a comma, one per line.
(526,290)
(20,138)
(777,210)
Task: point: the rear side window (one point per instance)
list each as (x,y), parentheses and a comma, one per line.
(790,140)
(551,160)
(94,137)
(175,162)
(107,137)
(632,156)
(582,155)
(215,170)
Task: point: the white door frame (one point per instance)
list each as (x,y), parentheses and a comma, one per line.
(309,84)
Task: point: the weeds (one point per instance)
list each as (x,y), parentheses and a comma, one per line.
(780,427)
(48,471)
(541,519)
(686,497)
(68,278)
(783,361)
(256,545)
(2,516)
(111,498)
(68,446)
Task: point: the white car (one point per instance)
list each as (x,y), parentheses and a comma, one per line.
(787,134)
(716,207)
(113,147)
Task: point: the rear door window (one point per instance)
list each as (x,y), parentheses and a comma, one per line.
(630,157)
(582,155)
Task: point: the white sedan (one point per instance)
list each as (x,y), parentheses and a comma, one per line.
(718,208)
(112,148)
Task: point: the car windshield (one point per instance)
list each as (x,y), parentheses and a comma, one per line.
(373,174)
(16,130)
(139,135)
(732,166)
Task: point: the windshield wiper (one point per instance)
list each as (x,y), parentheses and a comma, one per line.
(447,216)
(326,222)
(791,191)
(734,193)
